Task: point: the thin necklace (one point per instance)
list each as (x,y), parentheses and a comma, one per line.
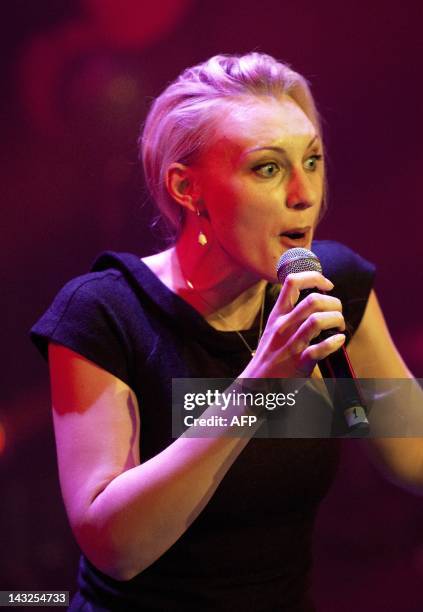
(244,341)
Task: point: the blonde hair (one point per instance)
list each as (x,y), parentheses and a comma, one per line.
(181,120)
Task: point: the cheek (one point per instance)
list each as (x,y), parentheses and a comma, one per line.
(236,208)
(224,204)
(240,214)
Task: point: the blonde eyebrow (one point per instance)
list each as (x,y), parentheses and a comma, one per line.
(278,149)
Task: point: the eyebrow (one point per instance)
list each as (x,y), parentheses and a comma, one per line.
(278,149)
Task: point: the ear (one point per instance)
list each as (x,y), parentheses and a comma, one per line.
(181,185)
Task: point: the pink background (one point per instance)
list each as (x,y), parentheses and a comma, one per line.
(77,78)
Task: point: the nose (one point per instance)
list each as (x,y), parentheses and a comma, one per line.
(300,194)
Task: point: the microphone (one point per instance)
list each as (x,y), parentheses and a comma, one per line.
(346,394)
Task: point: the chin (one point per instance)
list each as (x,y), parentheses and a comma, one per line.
(268,273)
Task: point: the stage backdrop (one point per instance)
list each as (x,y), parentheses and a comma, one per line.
(77,80)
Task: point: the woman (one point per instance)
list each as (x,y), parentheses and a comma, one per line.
(233,156)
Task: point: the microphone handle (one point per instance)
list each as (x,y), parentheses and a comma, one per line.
(343,386)
(344,389)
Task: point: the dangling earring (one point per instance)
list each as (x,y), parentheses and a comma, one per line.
(201,238)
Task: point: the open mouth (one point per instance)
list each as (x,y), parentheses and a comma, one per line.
(294,235)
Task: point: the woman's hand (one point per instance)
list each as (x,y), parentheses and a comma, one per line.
(284,350)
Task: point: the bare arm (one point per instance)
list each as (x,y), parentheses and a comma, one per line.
(374,355)
(119,509)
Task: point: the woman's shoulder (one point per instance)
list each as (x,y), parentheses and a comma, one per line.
(91,285)
(84,296)
(352,275)
(101,304)
(337,257)
(109,280)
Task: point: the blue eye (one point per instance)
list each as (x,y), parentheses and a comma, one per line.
(267,170)
(312,161)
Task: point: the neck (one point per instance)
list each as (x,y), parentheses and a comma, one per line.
(241,313)
(226,298)
(211,270)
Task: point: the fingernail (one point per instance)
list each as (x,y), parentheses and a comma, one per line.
(330,284)
(338,339)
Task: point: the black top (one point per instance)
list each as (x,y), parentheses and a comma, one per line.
(251,546)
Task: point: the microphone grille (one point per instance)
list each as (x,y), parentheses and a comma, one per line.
(297,260)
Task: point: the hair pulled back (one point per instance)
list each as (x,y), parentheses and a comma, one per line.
(182,119)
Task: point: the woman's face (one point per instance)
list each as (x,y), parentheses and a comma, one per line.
(261,182)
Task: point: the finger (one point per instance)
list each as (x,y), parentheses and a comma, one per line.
(289,325)
(315,302)
(311,328)
(316,352)
(317,322)
(294,283)
(298,333)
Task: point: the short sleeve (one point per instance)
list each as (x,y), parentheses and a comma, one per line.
(352,275)
(88,317)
